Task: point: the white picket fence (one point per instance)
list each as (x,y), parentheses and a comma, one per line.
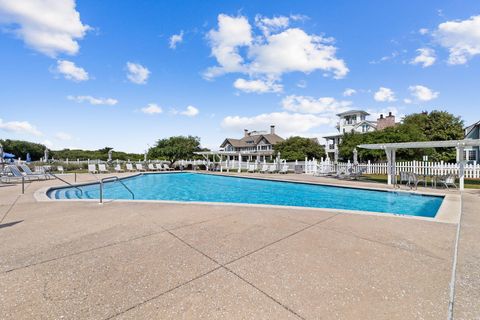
(418,167)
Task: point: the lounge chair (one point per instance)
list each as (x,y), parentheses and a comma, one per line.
(272,168)
(102,168)
(251,168)
(414,179)
(159,166)
(167,167)
(60,169)
(14,174)
(404,177)
(129,167)
(447,180)
(264,168)
(357,175)
(284,169)
(139,167)
(118,168)
(151,167)
(92,168)
(28,172)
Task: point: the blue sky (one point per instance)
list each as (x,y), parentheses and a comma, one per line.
(90,74)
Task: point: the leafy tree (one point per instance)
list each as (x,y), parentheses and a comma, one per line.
(297,148)
(20,148)
(175,148)
(101,154)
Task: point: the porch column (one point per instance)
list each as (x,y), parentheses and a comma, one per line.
(239,162)
(390,165)
(461,168)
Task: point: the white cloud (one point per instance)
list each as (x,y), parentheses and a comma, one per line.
(48,143)
(48,26)
(304,104)
(191,111)
(287,123)
(423,31)
(175,39)
(152,108)
(384,94)
(93,100)
(426,57)
(70,71)
(137,73)
(257,86)
(461,38)
(19,127)
(349,92)
(407,101)
(269,25)
(270,54)
(302,84)
(422,93)
(375,113)
(63,136)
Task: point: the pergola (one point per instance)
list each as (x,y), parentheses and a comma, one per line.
(391,148)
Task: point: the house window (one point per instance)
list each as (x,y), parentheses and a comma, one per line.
(470,155)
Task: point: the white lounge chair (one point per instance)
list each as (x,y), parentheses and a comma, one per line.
(129,167)
(251,168)
(15,174)
(151,167)
(28,172)
(92,168)
(102,168)
(272,168)
(447,180)
(159,166)
(284,169)
(139,167)
(60,169)
(264,168)
(167,167)
(118,168)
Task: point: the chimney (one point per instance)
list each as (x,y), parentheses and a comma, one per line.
(272,129)
(385,122)
(245,132)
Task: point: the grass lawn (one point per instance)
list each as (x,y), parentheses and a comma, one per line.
(469,183)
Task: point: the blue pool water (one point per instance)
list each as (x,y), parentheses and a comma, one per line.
(213,188)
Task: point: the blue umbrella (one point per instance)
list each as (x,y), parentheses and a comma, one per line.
(29,159)
(8,155)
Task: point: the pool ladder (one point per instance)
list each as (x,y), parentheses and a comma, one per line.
(115,179)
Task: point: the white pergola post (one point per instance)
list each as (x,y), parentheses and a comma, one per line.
(391,170)
(239,162)
(461,168)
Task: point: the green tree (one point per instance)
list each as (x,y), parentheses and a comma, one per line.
(297,148)
(20,148)
(175,148)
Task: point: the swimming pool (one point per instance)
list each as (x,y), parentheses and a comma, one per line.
(196,187)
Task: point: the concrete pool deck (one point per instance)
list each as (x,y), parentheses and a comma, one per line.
(129,260)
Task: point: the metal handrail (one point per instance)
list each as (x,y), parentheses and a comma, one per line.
(74,186)
(115,179)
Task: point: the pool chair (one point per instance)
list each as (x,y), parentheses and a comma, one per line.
(414,179)
(102,168)
(404,176)
(251,168)
(151,167)
(92,168)
(118,168)
(159,166)
(60,169)
(167,167)
(447,180)
(284,169)
(14,174)
(139,167)
(26,170)
(264,168)
(129,167)
(272,168)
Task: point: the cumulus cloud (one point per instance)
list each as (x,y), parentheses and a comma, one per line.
(63,136)
(287,123)
(426,57)
(137,73)
(152,108)
(277,50)
(422,93)
(375,113)
(461,38)
(384,95)
(93,100)
(423,31)
(349,92)
(24,127)
(48,26)
(175,39)
(70,71)
(305,104)
(257,86)
(191,111)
